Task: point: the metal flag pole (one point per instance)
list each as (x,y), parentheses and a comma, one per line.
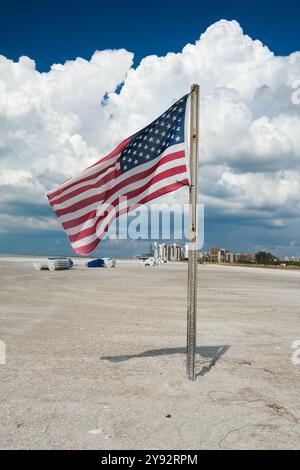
(192,260)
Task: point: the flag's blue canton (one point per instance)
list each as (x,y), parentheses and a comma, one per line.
(151,142)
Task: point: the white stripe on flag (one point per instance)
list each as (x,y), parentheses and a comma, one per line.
(73,230)
(131,202)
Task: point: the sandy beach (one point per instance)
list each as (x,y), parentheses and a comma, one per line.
(95,359)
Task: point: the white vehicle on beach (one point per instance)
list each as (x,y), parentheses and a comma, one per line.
(151,261)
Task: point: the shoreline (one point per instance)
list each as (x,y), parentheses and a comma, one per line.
(82,259)
(260,266)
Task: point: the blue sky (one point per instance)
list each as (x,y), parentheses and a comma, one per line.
(237,216)
(57,30)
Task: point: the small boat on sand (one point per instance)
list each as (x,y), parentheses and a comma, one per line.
(102,263)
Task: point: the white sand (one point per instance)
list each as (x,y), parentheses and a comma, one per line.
(96,359)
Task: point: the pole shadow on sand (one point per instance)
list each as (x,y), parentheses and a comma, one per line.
(209,356)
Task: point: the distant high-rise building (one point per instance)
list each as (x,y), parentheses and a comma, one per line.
(170,252)
(219,255)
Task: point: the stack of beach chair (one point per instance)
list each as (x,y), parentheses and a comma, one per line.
(54,264)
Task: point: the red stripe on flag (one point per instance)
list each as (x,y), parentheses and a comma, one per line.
(104,180)
(58,192)
(115,152)
(108,193)
(86,249)
(161,176)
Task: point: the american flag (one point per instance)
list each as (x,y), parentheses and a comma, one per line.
(145,166)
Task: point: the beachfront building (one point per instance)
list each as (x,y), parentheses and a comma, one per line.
(247,258)
(219,255)
(168,252)
(175,252)
(154,250)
